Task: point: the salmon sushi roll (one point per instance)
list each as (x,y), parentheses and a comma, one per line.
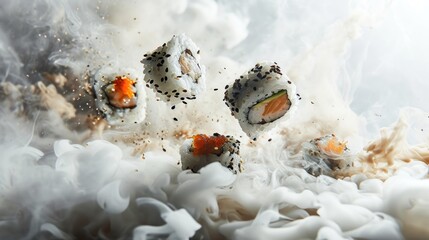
(173,71)
(261,97)
(201,150)
(325,155)
(120,96)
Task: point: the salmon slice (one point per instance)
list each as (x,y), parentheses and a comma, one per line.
(333,146)
(270,109)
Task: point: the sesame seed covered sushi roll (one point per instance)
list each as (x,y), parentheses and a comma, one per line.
(325,155)
(260,97)
(174,71)
(201,150)
(120,96)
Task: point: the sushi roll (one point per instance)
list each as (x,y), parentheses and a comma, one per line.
(325,155)
(261,97)
(174,71)
(201,150)
(119,96)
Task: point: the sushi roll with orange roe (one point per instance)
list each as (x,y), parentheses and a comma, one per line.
(201,150)
(325,155)
(261,97)
(120,96)
(174,72)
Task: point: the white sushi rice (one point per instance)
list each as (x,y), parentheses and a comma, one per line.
(256,85)
(229,157)
(174,71)
(114,115)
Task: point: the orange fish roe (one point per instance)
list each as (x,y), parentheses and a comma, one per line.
(334,146)
(204,145)
(124,86)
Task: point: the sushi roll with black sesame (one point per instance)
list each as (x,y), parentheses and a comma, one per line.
(201,150)
(325,155)
(174,70)
(260,97)
(120,96)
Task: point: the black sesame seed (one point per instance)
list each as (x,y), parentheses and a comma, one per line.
(227,86)
(173,107)
(168,55)
(215,89)
(175,119)
(184,102)
(166,69)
